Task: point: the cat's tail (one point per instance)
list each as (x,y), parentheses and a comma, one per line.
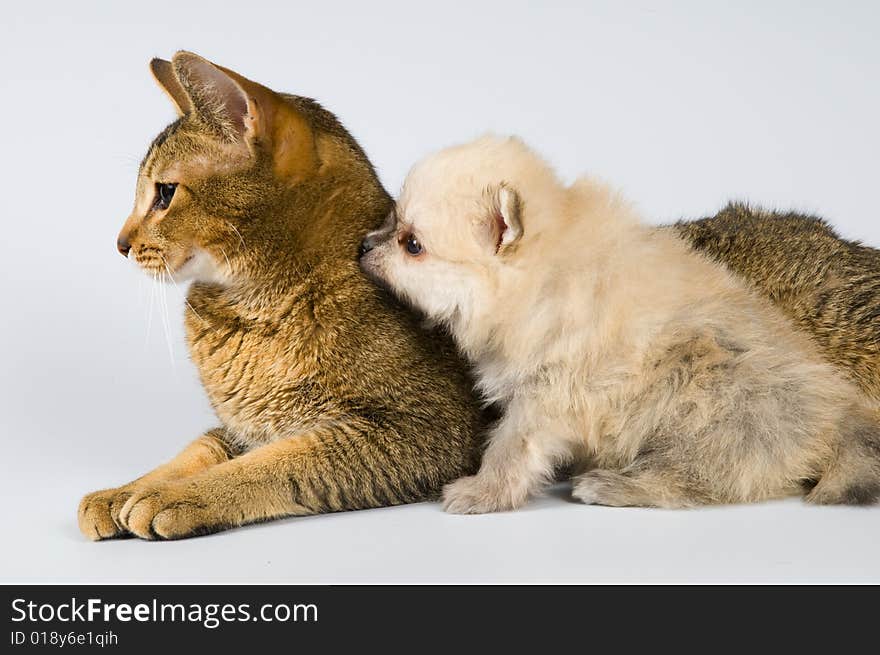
(853,474)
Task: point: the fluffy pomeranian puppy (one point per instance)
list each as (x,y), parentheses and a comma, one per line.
(613,348)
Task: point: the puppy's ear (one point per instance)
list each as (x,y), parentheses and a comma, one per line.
(503,225)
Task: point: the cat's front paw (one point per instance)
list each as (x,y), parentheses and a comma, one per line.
(98,513)
(168,511)
(474,495)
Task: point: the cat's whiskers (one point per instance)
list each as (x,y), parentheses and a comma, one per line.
(150,310)
(181,291)
(228,264)
(166,322)
(235,229)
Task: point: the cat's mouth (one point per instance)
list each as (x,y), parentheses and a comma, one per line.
(196,265)
(157,266)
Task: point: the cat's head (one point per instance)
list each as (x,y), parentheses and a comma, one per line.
(210,186)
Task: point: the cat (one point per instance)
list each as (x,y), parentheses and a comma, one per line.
(614,347)
(329,395)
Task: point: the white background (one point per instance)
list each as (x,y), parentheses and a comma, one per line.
(683,105)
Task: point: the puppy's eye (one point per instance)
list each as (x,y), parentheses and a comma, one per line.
(164,194)
(413,247)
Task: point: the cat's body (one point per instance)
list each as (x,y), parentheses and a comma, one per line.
(321,350)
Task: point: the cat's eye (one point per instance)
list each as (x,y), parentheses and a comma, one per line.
(164,194)
(413,247)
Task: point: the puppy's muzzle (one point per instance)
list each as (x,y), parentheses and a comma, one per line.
(370,241)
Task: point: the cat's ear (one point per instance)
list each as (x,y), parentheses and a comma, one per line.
(241,111)
(219,102)
(502,224)
(163,73)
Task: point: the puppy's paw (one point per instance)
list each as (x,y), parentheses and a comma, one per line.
(615,489)
(98,513)
(609,488)
(474,495)
(168,511)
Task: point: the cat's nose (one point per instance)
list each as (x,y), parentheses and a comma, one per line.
(122,245)
(366,246)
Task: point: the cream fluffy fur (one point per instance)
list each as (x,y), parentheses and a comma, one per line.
(613,347)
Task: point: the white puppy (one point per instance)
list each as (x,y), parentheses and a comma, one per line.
(613,347)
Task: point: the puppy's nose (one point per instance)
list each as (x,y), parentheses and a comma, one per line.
(367,245)
(122,245)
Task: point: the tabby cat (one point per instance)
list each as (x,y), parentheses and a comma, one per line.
(329,395)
